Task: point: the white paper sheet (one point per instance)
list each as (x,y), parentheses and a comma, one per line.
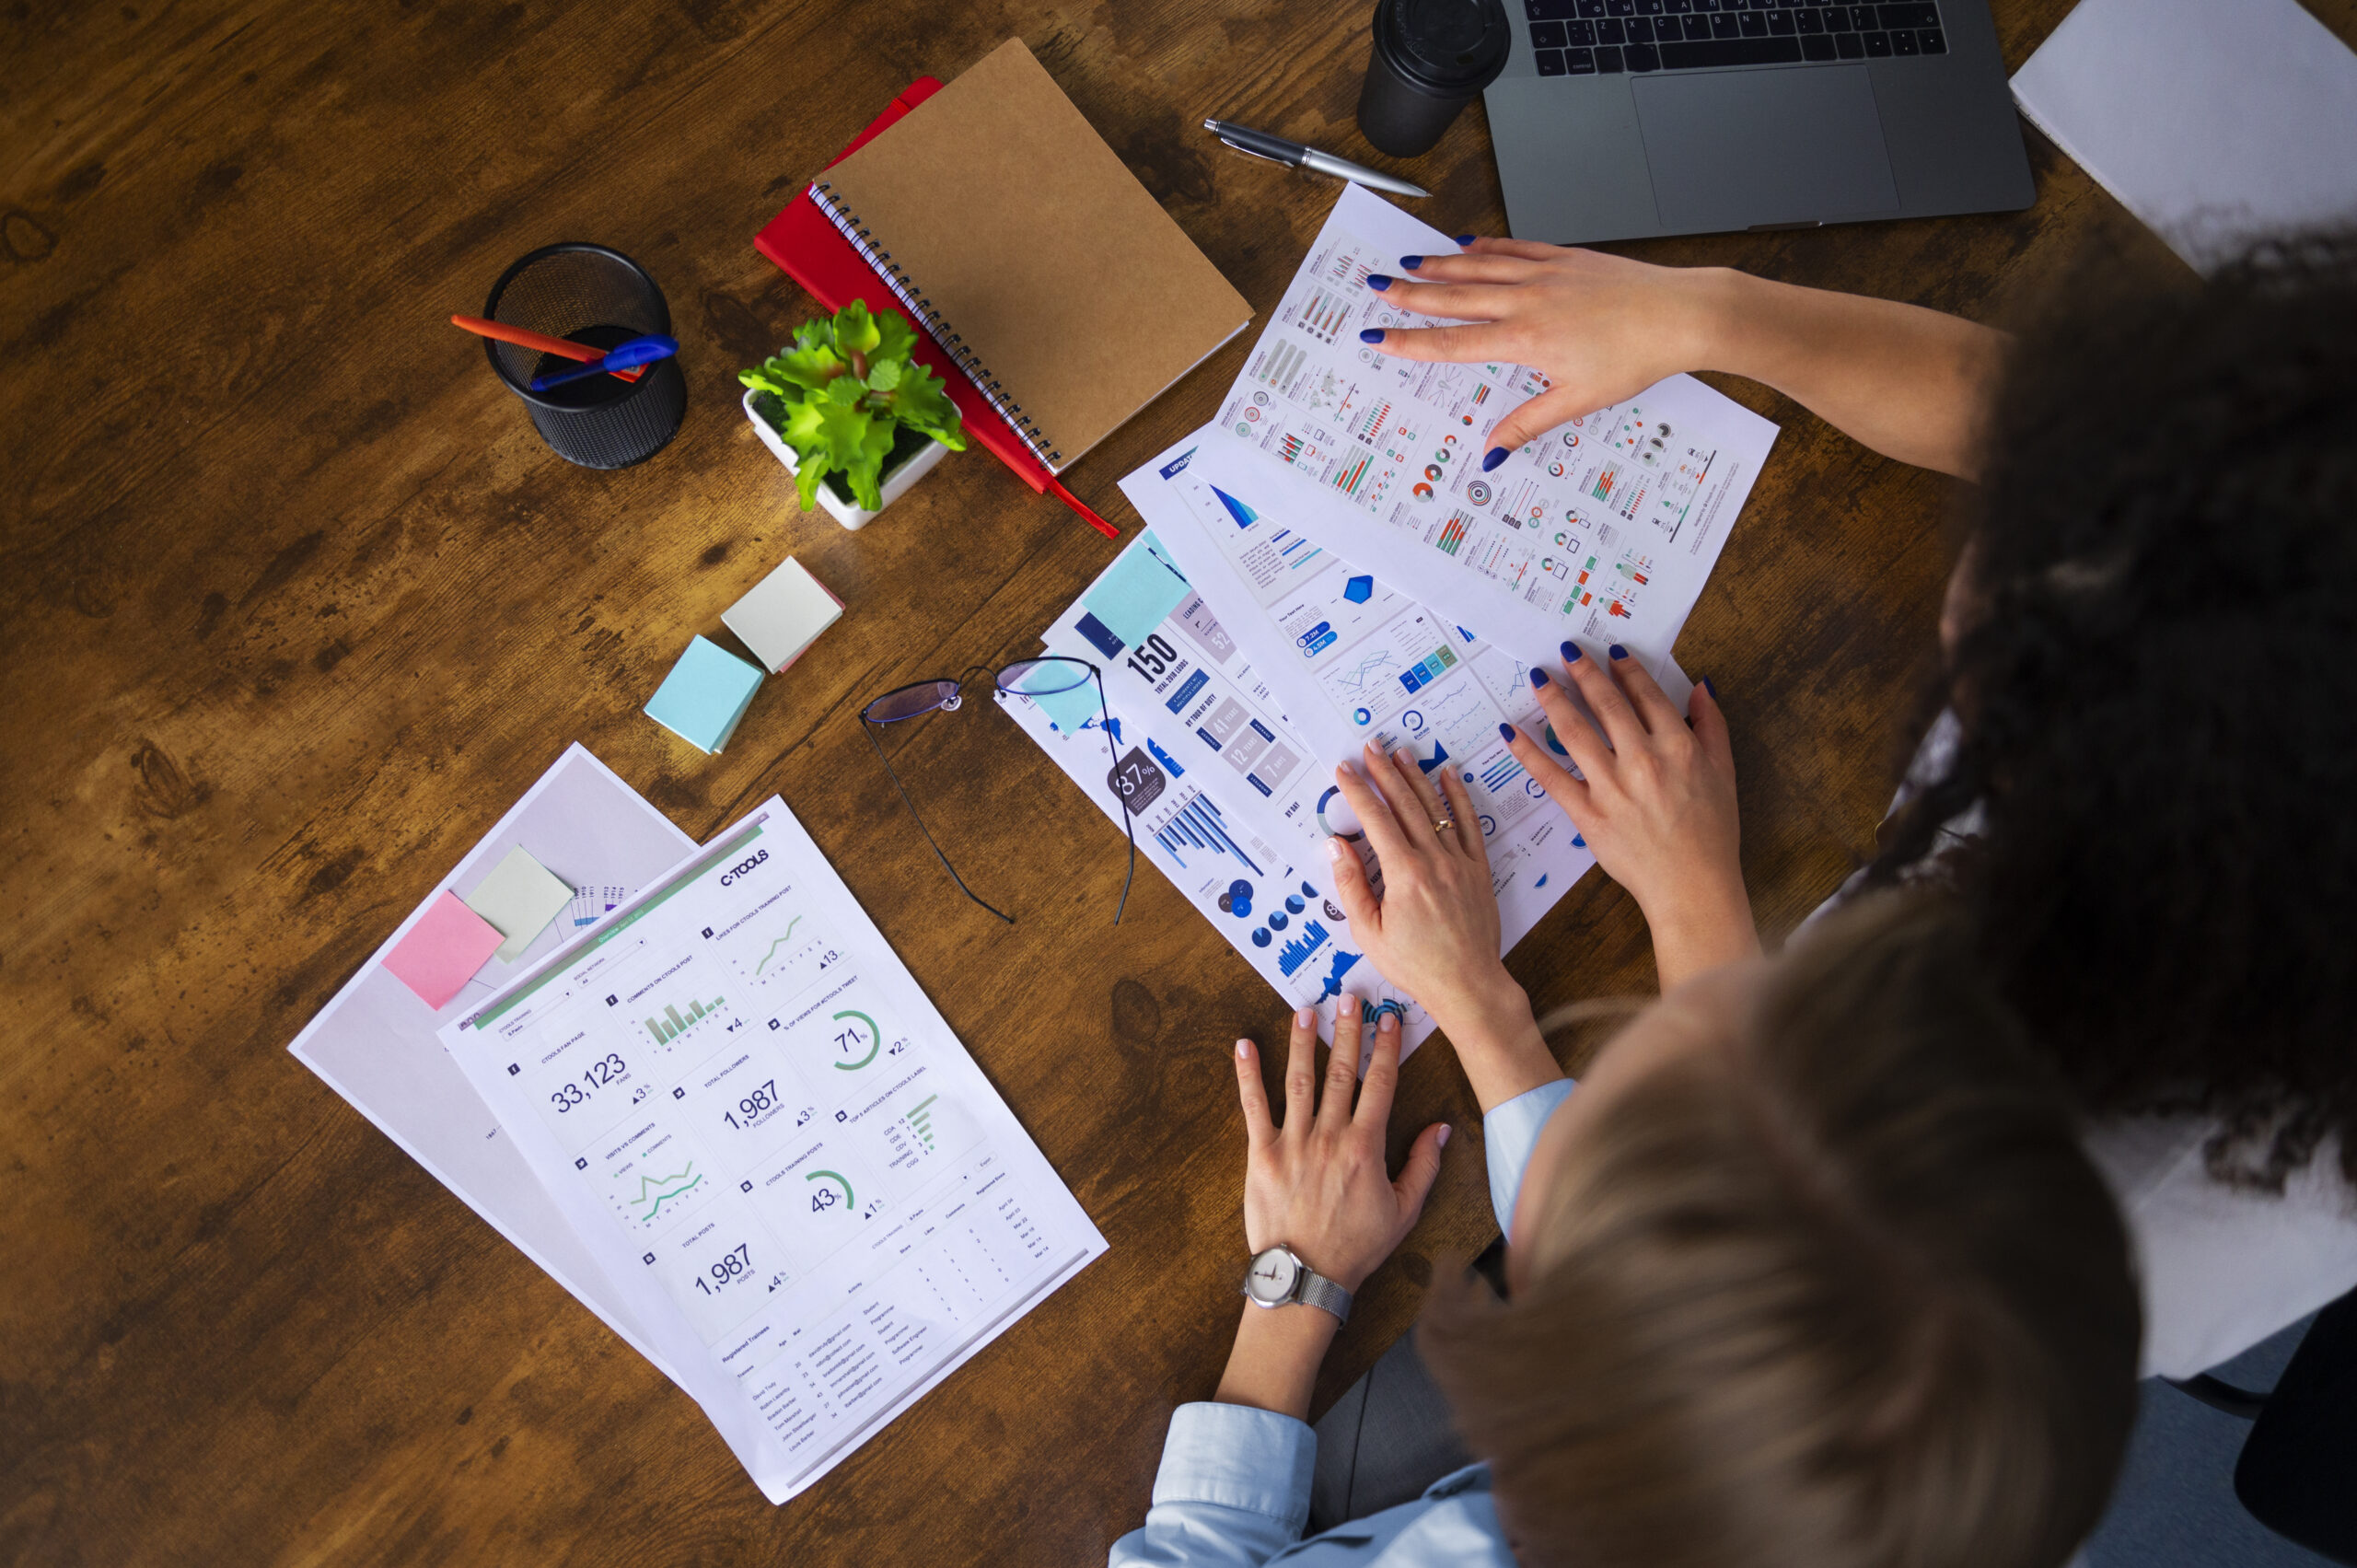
(2214,122)
(1354,661)
(1603,530)
(807,1194)
(374,1042)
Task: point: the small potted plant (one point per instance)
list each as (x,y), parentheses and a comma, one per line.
(851,413)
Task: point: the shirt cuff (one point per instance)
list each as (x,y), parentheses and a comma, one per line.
(1509,1132)
(1238,1456)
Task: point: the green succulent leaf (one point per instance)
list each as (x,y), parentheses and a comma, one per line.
(856,330)
(895,339)
(884,375)
(923,403)
(844,392)
(828,435)
(865,473)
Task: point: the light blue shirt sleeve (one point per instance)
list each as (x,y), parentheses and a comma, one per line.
(1511,1131)
(1232,1491)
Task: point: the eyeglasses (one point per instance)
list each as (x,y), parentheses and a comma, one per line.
(1033,678)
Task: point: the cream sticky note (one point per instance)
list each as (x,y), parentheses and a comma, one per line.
(782,615)
(519,897)
(443,951)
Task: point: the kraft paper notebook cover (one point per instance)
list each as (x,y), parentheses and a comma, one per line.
(1024,244)
(805,242)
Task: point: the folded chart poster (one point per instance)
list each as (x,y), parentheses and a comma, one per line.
(810,1201)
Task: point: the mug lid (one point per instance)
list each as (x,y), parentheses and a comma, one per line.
(1454,45)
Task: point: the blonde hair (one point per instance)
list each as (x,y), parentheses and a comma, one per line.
(1843,1291)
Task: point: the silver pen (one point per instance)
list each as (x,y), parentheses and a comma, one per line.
(1293,154)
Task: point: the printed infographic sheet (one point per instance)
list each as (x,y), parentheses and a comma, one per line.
(1226,799)
(1357,661)
(1602,531)
(1277,909)
(813,1202)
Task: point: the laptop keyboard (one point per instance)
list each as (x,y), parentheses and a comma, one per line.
(1584,38)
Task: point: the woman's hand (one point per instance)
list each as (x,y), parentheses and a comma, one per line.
(1317,1184)
(1601,327)
(1433,930)
(1656,805)
(1911,383)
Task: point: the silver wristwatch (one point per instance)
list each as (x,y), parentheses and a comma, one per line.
(1278,1277)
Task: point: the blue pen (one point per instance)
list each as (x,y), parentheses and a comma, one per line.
(622,356)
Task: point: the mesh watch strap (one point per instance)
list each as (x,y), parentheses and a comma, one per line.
(1319,1291)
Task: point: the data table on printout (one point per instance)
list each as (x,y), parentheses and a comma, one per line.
(764,1117)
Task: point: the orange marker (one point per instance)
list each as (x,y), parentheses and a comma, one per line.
(564,348)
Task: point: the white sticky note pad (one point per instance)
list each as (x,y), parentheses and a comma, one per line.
(782,615)
(519,898)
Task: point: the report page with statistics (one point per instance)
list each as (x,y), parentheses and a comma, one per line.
(817,1203)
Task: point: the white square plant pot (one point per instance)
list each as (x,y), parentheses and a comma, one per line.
(848,513)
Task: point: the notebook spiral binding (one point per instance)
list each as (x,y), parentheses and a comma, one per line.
(904,289)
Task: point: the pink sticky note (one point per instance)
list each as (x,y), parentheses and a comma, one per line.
(442,952)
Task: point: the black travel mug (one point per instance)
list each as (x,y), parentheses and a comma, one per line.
(1429,58)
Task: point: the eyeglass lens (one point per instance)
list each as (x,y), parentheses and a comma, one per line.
(1043,677)
(909,701)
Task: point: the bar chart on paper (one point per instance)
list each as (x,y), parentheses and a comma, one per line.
(671,1023)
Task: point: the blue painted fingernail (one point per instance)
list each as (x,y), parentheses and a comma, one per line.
(1491,459)
(1505,732)
(1378,281)
(1411,262)
(1538,676)
(1370,335)
(1570,653)
(1616,651)
(1465,239)
(1710,688)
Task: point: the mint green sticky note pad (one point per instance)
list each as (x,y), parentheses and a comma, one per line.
(1137,591)
(1068,711)
(521,897)
(705,694)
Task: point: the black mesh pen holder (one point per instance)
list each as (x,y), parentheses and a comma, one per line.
(600,297)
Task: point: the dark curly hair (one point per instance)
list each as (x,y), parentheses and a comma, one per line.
(2157,681)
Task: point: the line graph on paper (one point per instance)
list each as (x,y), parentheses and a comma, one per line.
(653,1188)
(1369,674)
(655,1192)
(773,946)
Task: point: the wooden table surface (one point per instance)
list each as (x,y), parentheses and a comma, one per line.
(298,604)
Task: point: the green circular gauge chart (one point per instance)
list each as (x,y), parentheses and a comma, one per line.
(824,1198)
(848,1038)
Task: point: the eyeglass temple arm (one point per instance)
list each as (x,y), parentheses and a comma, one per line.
(918,818)
(1104,724)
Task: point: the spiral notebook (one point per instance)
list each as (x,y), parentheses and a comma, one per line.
(1024,244)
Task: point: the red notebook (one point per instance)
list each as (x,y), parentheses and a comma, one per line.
(815,254)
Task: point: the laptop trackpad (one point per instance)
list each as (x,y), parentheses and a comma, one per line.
(1734,149)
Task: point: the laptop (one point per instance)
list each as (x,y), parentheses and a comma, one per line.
(1626,118)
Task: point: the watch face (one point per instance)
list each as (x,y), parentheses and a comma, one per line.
(1271,1277)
